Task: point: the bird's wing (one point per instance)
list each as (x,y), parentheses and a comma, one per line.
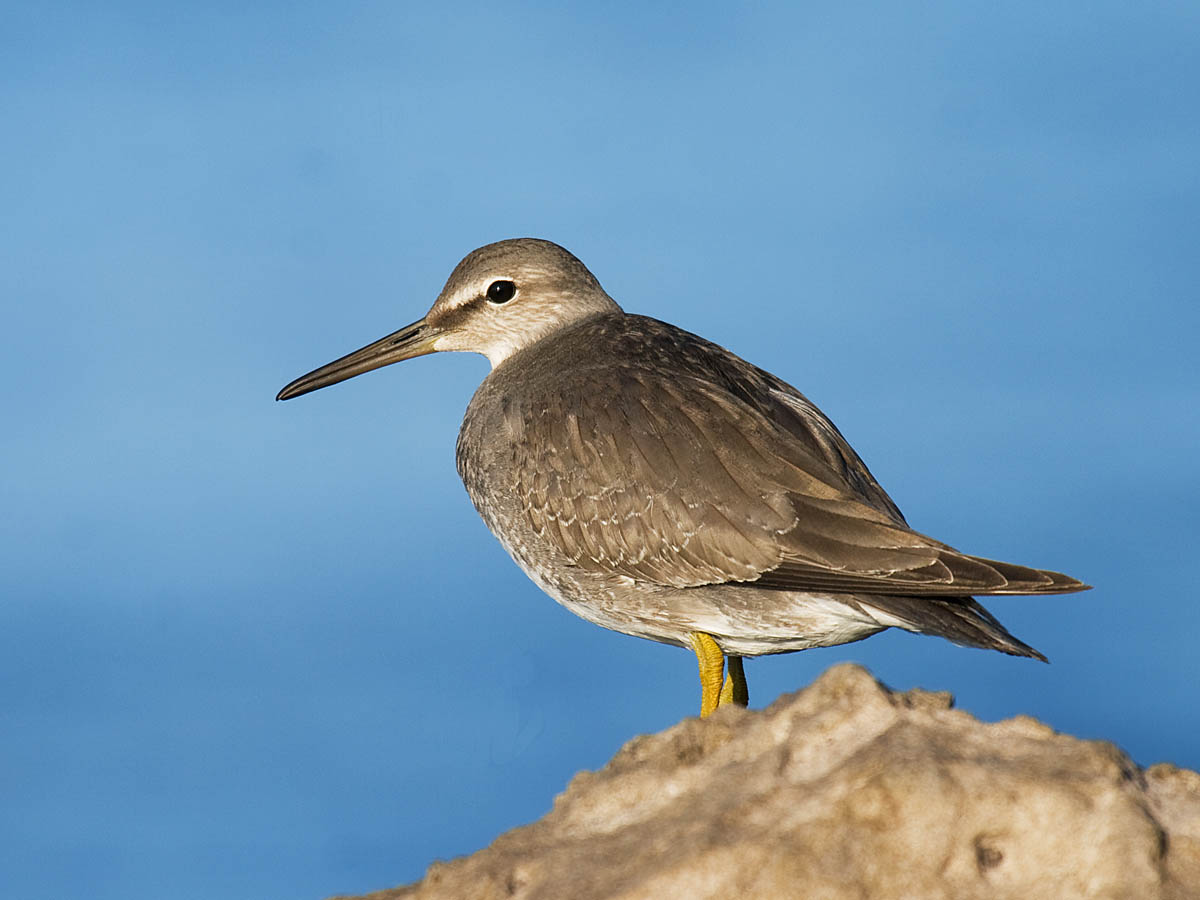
(724,476)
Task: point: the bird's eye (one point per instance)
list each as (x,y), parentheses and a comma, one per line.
(501,291)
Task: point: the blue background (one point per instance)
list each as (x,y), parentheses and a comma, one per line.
(260,650)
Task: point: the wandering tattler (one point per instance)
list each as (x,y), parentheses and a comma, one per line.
(658,485)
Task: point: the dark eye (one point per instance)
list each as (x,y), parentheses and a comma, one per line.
(501,291)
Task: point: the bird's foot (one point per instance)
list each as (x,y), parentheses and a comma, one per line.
(717,688)
(735,690)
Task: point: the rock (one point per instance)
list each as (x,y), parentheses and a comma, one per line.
(849,790)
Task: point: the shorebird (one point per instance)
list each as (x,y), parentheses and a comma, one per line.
(656,484)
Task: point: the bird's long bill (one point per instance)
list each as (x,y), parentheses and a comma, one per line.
(412,340)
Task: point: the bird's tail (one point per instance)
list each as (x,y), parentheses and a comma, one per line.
(959,619)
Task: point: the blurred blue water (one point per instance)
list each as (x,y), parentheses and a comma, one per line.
(260,650)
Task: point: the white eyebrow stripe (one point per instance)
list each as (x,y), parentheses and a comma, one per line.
(462,298)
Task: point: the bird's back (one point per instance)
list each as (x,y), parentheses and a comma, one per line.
(618,362)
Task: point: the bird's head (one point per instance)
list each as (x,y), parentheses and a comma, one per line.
(501,298)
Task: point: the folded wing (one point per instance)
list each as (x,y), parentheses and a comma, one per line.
(725,475)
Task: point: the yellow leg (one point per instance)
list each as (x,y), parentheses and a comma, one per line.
(735,690)
(712,671)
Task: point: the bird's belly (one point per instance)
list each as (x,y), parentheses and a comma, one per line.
(744,620)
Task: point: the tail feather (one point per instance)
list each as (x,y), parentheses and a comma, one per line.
(959,619)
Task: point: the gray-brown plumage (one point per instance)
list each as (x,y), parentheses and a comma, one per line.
(659,485)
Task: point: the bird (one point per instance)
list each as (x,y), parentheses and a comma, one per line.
(656,484)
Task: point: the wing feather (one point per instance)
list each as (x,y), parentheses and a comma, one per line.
(723,474)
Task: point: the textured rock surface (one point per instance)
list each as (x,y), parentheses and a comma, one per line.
(848,790)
